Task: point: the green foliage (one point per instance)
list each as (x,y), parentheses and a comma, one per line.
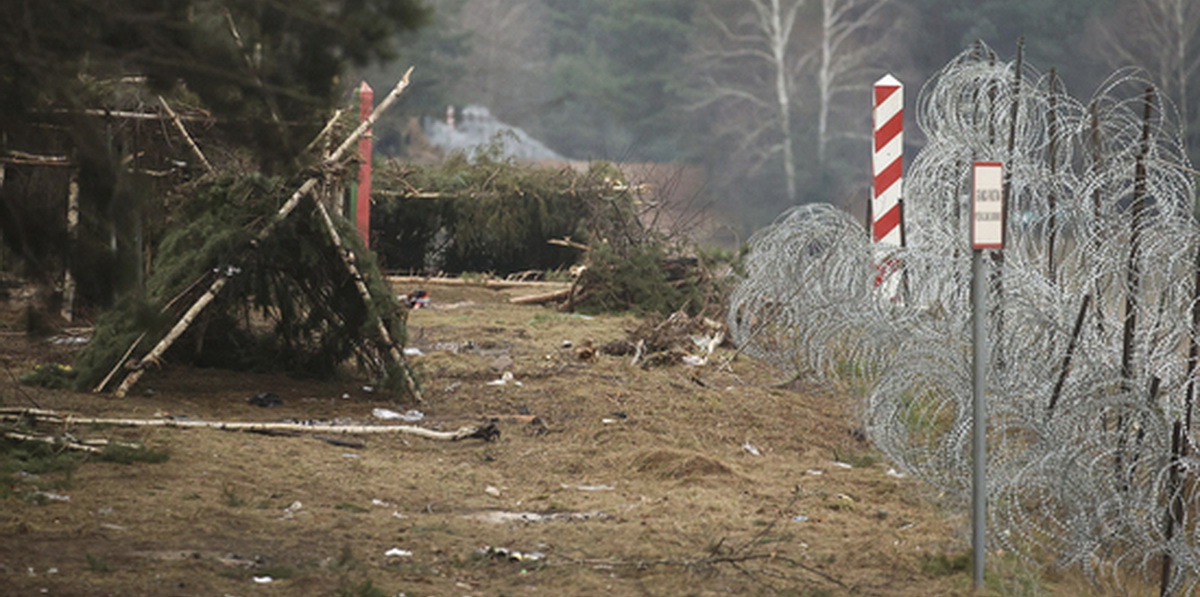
(635,281)
(268,87)
(492,215)
(286,69)
(289,305)
(53,376)
(29,462)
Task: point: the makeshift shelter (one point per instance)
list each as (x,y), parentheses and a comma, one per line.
(244,281)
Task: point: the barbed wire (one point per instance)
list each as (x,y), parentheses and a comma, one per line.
(1091,316)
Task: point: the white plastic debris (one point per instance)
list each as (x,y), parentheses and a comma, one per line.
(262,580)
(379,502)
(814,472)
(411,351)
(411,415)
(694,360)
(396,552)
(512,554)
(891,472)
(492,491)
(841,464)
(800,518)
(588,487)
(69,340)
(505,379)
(749,448)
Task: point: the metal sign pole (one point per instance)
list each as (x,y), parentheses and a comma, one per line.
(979,416)
(987,232)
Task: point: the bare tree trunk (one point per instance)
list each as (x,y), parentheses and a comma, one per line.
(780,34)
(68,306)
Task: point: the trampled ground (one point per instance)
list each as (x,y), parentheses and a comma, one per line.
(677,480)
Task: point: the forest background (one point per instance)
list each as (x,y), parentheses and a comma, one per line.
(770,97)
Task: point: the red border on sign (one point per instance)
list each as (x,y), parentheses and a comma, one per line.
(1003,227)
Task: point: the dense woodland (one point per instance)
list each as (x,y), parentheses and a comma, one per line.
(739,85)
(769,97)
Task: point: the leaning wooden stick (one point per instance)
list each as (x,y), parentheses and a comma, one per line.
(186,136)
(284,211)
(181,326)
(366,125)
(46,439)
(384,335)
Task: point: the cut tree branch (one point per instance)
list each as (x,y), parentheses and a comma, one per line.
(486,432)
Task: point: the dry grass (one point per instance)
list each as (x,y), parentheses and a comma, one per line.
(670,500)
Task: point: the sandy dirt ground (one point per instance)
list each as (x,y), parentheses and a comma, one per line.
(606,479)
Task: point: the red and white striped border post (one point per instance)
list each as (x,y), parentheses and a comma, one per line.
(887,161)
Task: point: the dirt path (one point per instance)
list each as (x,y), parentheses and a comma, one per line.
(671,481)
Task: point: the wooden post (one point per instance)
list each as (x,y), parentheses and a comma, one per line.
(362,218)
(68,306)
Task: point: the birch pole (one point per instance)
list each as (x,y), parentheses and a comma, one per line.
(284,211)
(69,286)
(186,136)
(384,335)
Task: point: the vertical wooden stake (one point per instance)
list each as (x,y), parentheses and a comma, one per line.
(362,219)
(68,306)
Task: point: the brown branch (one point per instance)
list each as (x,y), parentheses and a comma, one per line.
(186,136)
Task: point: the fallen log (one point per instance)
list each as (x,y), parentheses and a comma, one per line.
(46,439)
(486,432)
(491,283)
(537,299)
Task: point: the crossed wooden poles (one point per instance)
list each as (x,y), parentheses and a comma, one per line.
(393,351)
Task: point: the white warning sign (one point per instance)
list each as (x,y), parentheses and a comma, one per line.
(987,206)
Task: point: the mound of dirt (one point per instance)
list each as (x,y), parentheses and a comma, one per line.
(675,465)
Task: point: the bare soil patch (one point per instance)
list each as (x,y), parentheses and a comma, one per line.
(607,479)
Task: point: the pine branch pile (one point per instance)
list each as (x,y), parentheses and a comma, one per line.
(289,304)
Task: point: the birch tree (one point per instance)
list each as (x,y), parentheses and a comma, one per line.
(845,49)
(750,69)
(1162,37)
